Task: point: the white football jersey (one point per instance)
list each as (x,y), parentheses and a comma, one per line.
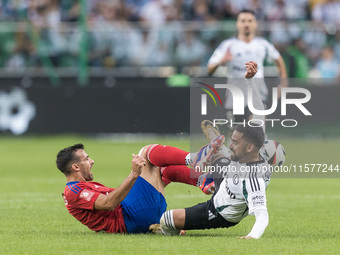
(256,50)
(242,191)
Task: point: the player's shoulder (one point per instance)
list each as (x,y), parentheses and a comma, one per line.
(261,40)
(261,163)
(73,188)
(230,40)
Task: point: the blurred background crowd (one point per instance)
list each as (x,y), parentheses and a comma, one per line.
(154,33)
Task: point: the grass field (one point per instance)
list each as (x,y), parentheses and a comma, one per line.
(304,212)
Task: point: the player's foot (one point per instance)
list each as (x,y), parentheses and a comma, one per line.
(210,132)
(204,155)
(206,183)
(155,229)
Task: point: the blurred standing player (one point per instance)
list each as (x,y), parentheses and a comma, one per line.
(236,51)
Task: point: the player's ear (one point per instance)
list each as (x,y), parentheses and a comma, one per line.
(250,147)
(75,167)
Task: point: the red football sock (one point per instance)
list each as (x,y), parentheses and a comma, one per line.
(180,173)
(163,155)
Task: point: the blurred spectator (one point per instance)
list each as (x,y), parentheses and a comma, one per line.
(258,7)
(234,7)
(327,11)
(46,19)
(296,9)
(190,50)
(283,33)
(134,7)
(153,13)
(280,10)
(13,10)
(146,50)
(142,49)
(328,65)
(72,14)
(276,10)
(201,11)
(337,45)
(23,51)
(109,38)
(315,38)
(295,59)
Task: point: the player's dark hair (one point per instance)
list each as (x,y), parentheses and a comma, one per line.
(247,11)
(67,155)
(254,135)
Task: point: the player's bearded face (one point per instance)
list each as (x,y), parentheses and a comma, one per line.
(238,154)
(246,24)
(85,165)
(238,146)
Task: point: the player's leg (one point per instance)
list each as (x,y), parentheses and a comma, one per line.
(177,171)
(180,173)
(163,155)
(174,162)
(151,173)
(174,165)
(201,216)
(145,203)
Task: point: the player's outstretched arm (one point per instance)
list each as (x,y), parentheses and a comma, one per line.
(226,58)
(112,200)
(262,220)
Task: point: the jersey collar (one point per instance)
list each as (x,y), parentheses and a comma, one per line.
(70,183)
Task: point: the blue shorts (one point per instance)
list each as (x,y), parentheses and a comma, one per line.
(142,207)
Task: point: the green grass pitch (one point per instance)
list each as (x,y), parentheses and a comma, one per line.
(304,212)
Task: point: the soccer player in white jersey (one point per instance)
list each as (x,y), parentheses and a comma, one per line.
(240,190)
(240,176)
(236,51)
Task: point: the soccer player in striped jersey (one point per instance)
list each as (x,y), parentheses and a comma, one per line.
(240,190)
(239,183)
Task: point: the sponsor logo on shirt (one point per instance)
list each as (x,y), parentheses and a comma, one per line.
(86,194)
(258,200)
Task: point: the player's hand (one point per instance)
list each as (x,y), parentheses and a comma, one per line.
(245,237)
(137,164)
(227,57)
(251,67)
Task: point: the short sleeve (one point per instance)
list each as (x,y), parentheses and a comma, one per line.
(273,54)
(218,53)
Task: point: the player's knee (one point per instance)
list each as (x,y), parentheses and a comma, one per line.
(145,151)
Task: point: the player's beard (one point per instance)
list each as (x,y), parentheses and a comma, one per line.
(247,33)
(89,176)
(233,156)
(237,158)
